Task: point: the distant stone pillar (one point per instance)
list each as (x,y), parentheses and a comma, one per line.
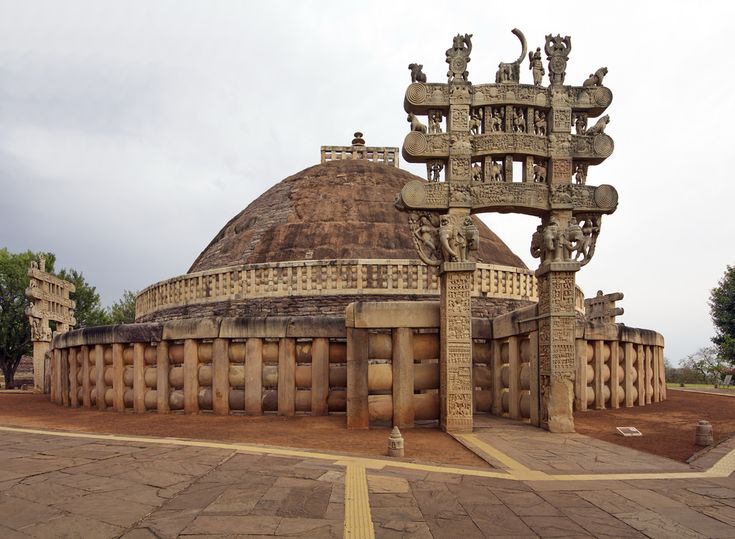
(320,376)
(455,363)
(39,363)
(286,376)
(358,415)
(220,377)
(254,376)
(402,367)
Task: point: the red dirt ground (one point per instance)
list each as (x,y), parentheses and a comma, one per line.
(321,433)
(668,427)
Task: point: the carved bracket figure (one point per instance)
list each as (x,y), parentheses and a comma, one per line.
(458,57)
(595,79)
(476,121)
(557,50)
(570,243)
(434,169)
(416,74)
(510,72)
(435,122)
(443,238)
(425,233)
(599,127)
(536,65)
(416,124)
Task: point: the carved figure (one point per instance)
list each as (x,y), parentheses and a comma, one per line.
(460,193)
(475,121)
(416,74)
(472,236)
(496,121)
(519,120)
(446,239)
(435,169)
(536,66)
(572,238)
(590,231)
(416,125)
(580,173)
(476,172)
(496,172)
(539,122)
(511,71)
(537,243)
(539,172)
(426,237)
(458,57)
(435,121)
(580,123)
(595,79)
(599,127)
(557,50)
(35,329)
(553,244)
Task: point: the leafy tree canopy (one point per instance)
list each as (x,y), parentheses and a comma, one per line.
(15,333)
(722,310)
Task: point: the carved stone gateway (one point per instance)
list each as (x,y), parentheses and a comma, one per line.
(50,301)
(492,132)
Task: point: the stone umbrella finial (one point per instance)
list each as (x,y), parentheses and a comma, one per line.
(358,140)
(395,443)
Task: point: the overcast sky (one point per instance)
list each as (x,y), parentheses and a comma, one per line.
(130,132)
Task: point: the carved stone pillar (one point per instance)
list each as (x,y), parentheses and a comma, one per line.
(456,347)
(39,364)
(556,344)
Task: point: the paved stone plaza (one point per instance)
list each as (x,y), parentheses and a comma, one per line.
(63,484)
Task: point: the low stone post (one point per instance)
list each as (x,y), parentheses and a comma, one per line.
(704,436)
(395,443)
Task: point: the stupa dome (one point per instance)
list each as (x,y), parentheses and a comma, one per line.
(321,239)
(335,210)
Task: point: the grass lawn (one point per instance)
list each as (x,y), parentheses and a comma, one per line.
(699,386)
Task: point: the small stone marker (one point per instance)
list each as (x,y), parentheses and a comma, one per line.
(703,435)
(629,431)
(395,443)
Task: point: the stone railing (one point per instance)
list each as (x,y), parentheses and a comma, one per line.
(379,364)
(619,366)
(329,277)
(398,381)
(279,364)
(377,154)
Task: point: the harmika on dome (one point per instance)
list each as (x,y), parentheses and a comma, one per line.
(321,239)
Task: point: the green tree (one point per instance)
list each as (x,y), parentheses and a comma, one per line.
(707,362)
(89,310)
(15,333)
(123,310)
(722,310)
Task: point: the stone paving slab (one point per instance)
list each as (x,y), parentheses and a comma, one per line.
(227,492)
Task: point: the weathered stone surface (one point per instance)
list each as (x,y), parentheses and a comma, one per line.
(336,210)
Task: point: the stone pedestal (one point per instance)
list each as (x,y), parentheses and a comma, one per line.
(39,364)
(455,369)
(556,343)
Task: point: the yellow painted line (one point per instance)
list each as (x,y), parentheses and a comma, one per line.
(343,460)
(358,523)
(509,462)
(516,471)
